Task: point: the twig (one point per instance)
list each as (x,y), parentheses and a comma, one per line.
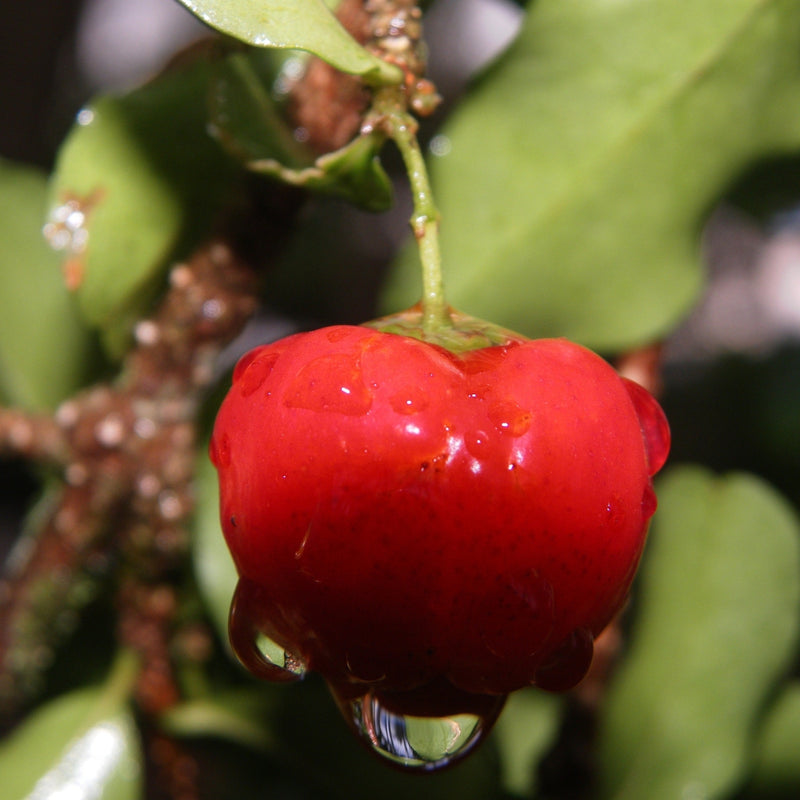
(127,452)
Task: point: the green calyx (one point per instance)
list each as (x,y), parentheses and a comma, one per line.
(455,331)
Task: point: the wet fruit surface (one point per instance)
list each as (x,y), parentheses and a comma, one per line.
(428,530)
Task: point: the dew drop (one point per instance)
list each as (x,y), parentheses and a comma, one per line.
(477,444)
(649,501)
(251,375)
(220,451)
(245,361)
(337,333)
(85,117)
(330,383)
(410,401)
(509,417)
(653,422)
(484,359)
(419,744)
(262,656)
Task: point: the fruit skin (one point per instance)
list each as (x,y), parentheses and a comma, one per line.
(429,524)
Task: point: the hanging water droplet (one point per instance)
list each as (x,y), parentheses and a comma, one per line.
(262,656)
(568,664)
(421,744)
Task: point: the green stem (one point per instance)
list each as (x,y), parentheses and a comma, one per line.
(401,127)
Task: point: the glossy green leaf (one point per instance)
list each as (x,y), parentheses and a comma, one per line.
(579,171)
(716,626)
(353,172)
(525,732)
(776,770)
(46,352)
(214,568)
(146,180)
(298,25)
(82,745)
(248,121)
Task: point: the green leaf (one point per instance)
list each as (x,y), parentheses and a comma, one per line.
(297,25)
(236,715)
(581,168)
(46,352)
(524,733)
(249,123)
(82,744)
(716,627)
(148,179)
(776,769)
(214,568)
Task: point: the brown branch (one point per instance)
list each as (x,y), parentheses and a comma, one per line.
(328,107)
(396,37)
(36,437)
(127,452)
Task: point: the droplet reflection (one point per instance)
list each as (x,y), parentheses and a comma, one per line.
(416,743)
(262,656)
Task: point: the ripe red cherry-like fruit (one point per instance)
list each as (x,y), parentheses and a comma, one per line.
(431,530)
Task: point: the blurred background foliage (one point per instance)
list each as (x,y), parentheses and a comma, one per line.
(622,173)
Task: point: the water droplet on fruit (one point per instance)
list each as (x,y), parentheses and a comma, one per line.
(262,656)
(649,502)
(251,372)
(337,333)
(330,383)
(653,422)
(410,401)
(220,451)
(245,361)
(477,444)
(568,664)
(509,417)
(422,744)
(482,360)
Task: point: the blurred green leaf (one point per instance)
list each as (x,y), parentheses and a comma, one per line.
(246,111)
(46,352)
(524,733)
(297,25)
(236,715)
(82,744)
(352,172)
(580,169)
(146,180)
(214,568)
(777,769)
(248,122)
(716,626)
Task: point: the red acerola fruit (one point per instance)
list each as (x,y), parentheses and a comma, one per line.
(431,530)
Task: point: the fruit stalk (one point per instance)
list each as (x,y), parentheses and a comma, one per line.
(400,126)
